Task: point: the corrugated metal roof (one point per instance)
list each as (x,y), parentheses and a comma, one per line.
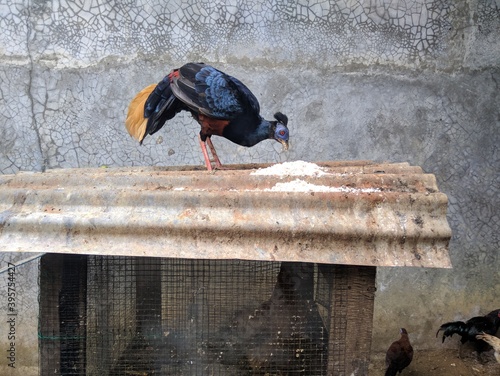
(359,213)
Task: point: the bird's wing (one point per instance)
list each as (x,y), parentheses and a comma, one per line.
(393,352)
(213,93)
(136,122)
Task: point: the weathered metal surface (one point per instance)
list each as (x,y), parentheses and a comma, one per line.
(356,213)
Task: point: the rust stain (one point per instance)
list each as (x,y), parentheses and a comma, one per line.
(370,214)
(188,213)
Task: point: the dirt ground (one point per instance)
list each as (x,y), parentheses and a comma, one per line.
(442,362)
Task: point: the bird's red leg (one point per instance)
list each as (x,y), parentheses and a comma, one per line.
(205,154)
(214,154)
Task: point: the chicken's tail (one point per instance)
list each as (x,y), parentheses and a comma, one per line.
(450,328)
(392,370)
(151,108)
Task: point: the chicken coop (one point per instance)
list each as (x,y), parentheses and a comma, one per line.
(256,270)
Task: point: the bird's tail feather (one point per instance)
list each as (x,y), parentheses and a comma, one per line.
(161,105)
(392,370)
(152,107)
(450,328)
(135,122)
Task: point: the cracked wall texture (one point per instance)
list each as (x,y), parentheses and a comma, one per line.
(414,81)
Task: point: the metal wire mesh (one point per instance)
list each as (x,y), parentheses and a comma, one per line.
(62,314)
(104,315)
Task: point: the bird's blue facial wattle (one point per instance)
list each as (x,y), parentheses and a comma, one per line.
(281,135)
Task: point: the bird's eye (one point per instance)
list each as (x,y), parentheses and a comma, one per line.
(282,133)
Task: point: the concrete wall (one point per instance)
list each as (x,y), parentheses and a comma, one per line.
(397,81)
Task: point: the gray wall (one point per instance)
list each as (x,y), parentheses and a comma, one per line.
(414,81)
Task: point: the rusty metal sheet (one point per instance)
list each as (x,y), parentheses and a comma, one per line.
(358,213)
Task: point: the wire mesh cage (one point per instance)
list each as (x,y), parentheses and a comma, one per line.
(108,315)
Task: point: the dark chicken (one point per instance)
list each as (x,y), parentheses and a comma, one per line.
(399,355)
(285,335)
(468,330)
(222,105)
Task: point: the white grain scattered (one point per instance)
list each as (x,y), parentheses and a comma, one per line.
(298,185)
(296,168)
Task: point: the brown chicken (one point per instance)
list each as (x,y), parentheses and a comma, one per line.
(399,355)
(493,342)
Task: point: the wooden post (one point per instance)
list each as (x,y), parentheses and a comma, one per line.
(352,293)
(49,334)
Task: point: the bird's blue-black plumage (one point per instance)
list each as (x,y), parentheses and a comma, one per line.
(221,104)
(158,98)
(225,96)
(161,106)
(468,330)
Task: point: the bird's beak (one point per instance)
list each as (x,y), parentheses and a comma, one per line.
(284,143)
